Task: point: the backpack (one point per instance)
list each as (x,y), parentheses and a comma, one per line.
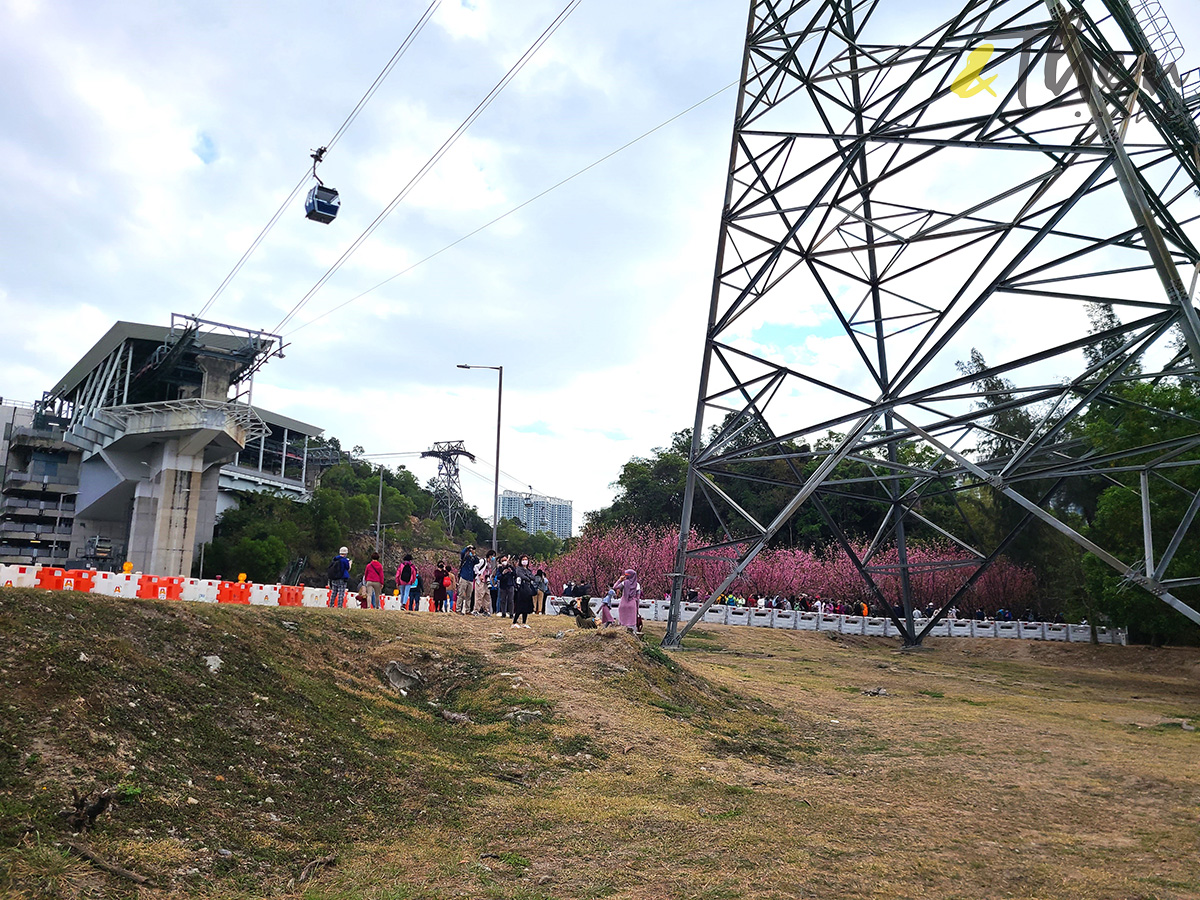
(446,581)
(406,573)
(334,572)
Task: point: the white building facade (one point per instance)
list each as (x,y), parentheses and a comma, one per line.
(537,513)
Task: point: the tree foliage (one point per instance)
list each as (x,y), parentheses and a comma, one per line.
(266,534)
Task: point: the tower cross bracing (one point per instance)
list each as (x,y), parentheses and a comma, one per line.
(922,205)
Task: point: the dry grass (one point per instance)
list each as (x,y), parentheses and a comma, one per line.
(751,764)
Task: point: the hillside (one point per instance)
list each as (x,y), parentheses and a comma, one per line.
(498,763)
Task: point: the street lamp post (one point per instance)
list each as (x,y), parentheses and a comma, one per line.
(499,370)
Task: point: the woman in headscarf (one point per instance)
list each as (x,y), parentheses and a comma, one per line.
(627,611)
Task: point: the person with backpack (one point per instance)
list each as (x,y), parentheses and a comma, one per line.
(338,574)
(440,577)
(465,599)
(406,577)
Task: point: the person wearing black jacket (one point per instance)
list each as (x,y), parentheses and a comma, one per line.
(506,575)
(523,599)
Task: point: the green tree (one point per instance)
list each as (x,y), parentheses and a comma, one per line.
(1148,413)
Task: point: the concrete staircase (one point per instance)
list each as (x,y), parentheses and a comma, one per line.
(94,432)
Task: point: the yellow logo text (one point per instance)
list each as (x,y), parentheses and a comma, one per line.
(968,83)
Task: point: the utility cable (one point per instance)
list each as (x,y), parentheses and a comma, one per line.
(515,209)
(379,79)
(433,160)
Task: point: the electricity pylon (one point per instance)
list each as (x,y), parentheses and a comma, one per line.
(447,487)
(922,202)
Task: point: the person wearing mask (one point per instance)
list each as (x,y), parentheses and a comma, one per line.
(542,584)
(373,582)
(506,580)
(339,578)
(523,592)
(465,598)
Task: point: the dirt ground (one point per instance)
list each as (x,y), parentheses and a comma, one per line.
(753,763)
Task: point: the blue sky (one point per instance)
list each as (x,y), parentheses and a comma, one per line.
(147,143)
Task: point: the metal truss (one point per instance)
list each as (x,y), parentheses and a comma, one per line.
(909,184)
(447,487)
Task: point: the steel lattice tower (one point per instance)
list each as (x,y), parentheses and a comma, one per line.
(907,186)
(447,488)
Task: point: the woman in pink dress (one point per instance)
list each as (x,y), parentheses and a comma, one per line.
(627,611)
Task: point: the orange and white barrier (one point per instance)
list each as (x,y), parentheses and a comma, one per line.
(18,576)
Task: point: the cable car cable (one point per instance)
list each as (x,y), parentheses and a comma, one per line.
(434,159)
(391,64)
(515,209)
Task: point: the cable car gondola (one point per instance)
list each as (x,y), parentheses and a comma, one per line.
(322,204)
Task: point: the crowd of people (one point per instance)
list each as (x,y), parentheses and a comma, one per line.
(488,585)
(508,587)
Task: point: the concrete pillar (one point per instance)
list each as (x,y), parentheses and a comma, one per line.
(164,523)
(217,374)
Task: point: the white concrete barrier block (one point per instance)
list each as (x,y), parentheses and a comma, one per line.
(986,628)
(738,615)
(646,609)
(1008,629)
(807,621)
(941,629)
(827,622)
(717,614)
(1104,634)
(762,618)
(1081,634)
(1056,632)
(851,624)
(875,626)
(960,628)
(785,619)
(1033,631)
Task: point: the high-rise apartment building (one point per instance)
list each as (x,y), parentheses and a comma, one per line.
(537,513)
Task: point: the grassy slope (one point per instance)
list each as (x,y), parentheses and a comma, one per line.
(751,765)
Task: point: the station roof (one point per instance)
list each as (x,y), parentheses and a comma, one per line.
(116,336)
(138,331)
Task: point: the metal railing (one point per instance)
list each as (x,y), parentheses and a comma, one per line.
(42,475)
(194,412)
